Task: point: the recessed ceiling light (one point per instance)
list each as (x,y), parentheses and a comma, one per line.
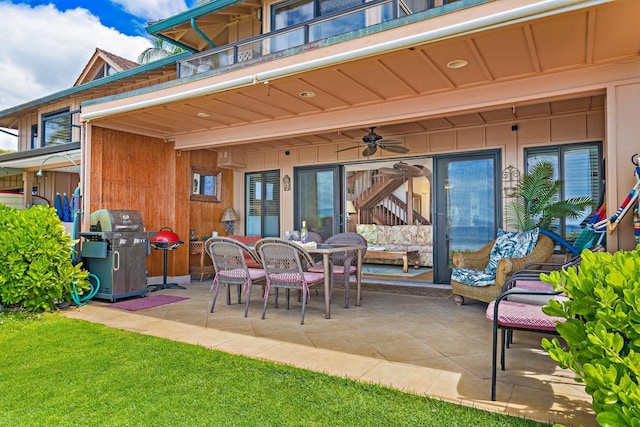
(457,63)
(202,115)
(307,94)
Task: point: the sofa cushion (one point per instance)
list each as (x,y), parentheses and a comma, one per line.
(384,235)
(472,277)
(402,235)
(423,235)
(248,240)
(399,237)
(511,245)
(368,231)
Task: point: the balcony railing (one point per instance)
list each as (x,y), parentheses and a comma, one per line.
(294,38)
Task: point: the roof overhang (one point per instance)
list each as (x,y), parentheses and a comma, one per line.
(183,29)
(8,116)
(49,158)
(150,97)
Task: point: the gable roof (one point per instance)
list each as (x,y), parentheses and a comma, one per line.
(98,60)
(138,73)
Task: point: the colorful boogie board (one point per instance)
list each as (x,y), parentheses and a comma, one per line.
(15,200)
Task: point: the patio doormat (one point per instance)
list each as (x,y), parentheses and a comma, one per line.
(393,270)
(146,302)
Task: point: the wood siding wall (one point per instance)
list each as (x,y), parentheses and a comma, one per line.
(205,216)
(134,172)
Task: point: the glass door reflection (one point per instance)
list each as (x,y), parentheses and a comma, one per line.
(317,199)
(467,207)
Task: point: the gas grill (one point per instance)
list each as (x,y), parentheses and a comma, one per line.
(115,250)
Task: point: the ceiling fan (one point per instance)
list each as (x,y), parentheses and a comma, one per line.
(402,170)
(373,141)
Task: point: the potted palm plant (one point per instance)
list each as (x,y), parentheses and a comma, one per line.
(538,204)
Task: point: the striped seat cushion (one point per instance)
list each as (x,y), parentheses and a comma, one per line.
(535,285)
(309,277)
(239,273)
(517,315)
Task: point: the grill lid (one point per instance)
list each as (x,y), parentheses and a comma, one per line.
(116,220)
(165,235)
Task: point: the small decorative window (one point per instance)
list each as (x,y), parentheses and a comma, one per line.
(205,184)
(104,71)
(56,128)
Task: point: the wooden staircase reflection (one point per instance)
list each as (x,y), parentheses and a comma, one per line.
(372,195)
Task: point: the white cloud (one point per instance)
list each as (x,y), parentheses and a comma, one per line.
(152,10)
(44,51)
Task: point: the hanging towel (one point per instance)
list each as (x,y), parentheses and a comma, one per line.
(58,206)
(66,210)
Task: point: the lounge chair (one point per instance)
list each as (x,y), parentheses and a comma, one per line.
(480,275)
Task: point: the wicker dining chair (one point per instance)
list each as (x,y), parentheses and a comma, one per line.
(343,264)
(285,264)
(313,236)
(231,269)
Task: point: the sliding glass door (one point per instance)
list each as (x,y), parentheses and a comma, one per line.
(467,207)
(318,199)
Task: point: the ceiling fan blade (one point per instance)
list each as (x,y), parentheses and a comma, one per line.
(394,148)
(369,151)
(390,141)
(412,169)
(424,171)
(348,148)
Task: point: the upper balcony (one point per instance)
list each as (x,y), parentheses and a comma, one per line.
(348,23)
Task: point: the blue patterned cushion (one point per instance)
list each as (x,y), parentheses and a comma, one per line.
(472,277)
(511,245)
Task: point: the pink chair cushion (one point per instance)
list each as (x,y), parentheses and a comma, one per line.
(309,277)
(254,273)
(523,316)
(533,285)
(257,273)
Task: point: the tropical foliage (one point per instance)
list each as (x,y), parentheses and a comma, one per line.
(36,270)
(538,204)
(161,49)
(601,329)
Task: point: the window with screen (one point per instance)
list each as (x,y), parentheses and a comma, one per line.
(262,204)
(580,168)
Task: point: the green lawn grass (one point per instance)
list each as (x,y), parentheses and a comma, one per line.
(56,371)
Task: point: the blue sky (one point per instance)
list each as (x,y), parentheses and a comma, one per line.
(127,16)
(110,14)
(46,44)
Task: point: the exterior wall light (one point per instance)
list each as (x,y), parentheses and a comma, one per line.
(510,181)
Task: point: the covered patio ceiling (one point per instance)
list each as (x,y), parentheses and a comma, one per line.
(338,103)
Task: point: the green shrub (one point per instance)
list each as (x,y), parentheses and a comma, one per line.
(36,270)
(602,331)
